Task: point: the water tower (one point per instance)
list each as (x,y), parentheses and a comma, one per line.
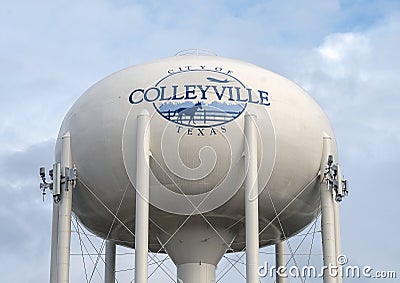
(195,156)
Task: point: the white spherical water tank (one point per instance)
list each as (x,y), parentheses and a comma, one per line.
(197,106)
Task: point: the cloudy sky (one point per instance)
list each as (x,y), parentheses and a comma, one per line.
(344,53)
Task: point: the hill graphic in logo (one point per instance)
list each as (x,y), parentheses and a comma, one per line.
(201,115)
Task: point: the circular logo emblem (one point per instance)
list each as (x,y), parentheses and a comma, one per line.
(200,98)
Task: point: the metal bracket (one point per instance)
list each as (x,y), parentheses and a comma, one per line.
(333,176)
(69,178)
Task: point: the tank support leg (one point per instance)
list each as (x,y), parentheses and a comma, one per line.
(109,276)
(251,200)
(64,222)
(54,243)
(327,216)
(142,197)
(280,262)
(336,213)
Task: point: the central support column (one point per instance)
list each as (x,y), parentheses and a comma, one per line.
(280,262)
(196,273)
(109,276)
(65,206)
(142,197)
(195,245)
(251,199)
(327,216)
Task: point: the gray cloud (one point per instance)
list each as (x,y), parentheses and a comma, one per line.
(25,219)
(344,53)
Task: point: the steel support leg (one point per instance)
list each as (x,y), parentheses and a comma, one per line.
(327,218)
(54,243)
(251,200)
(64,224)
(142,197)
(336,212)
(109,276)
